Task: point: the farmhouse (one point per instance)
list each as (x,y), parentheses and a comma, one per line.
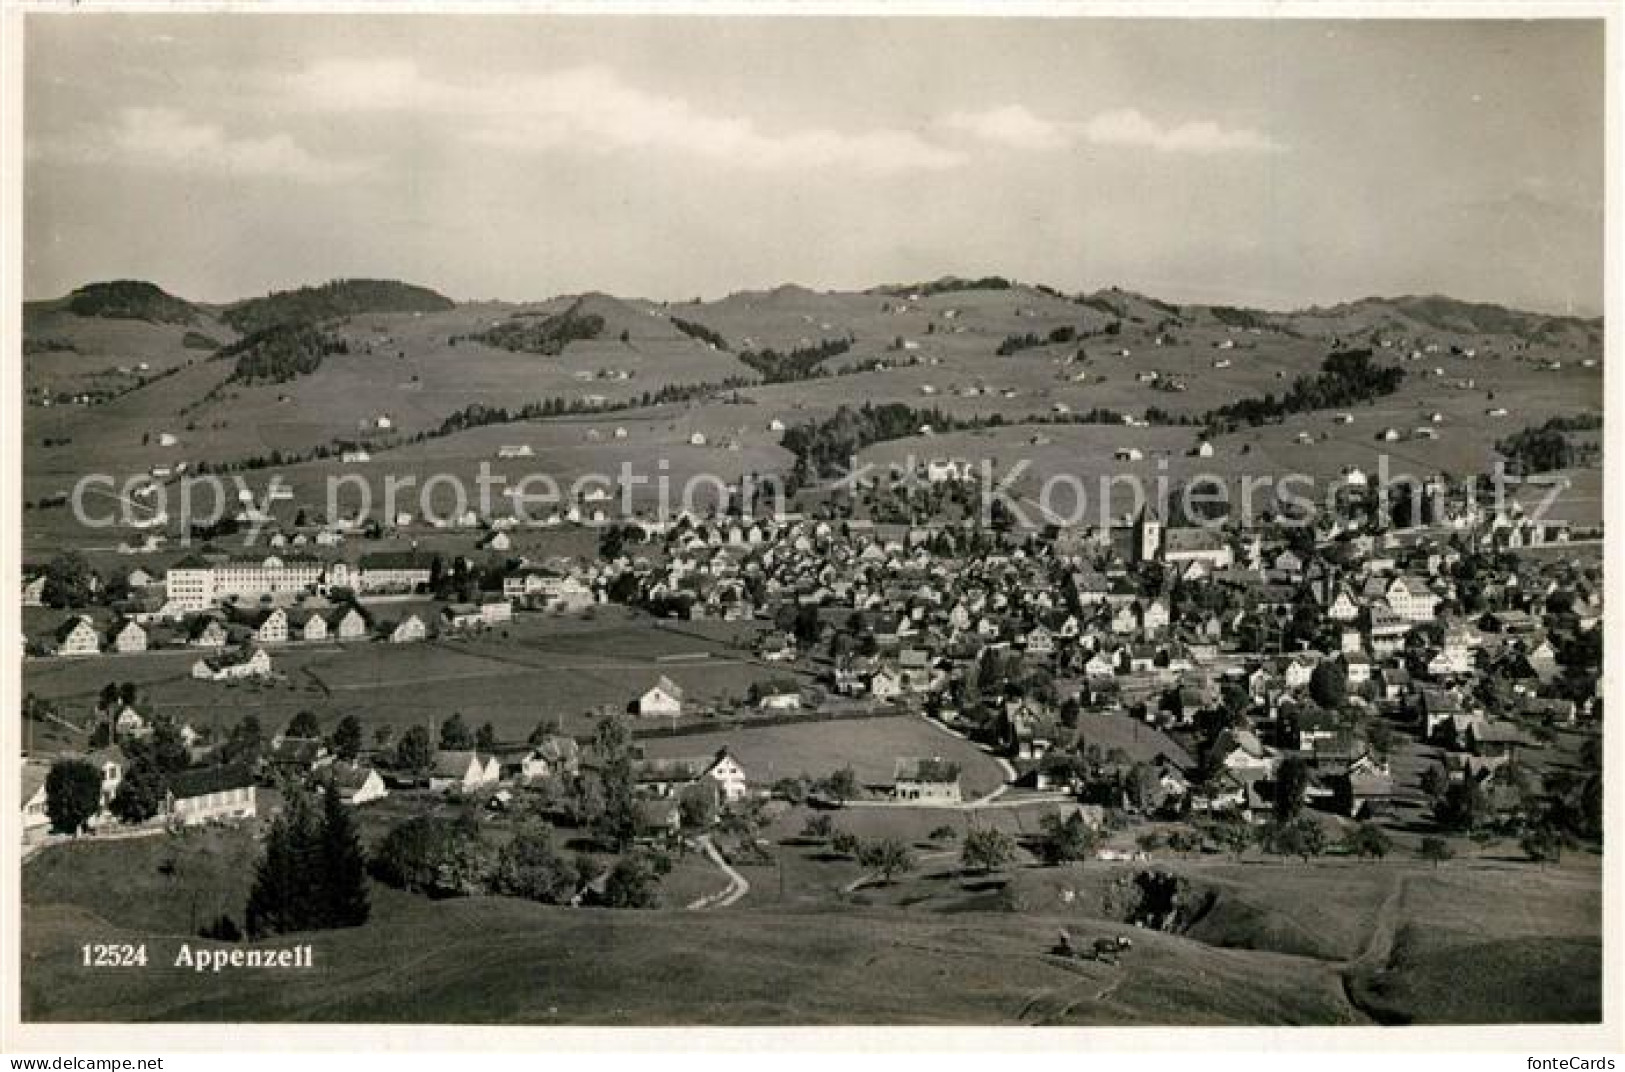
(554,756)
(129,637)
(36,820)
(667,778)
(393,571)
(410,630)
(348,624)
(663,700)
(356,784)
(213,795)
(463,771)
(231,667)
(926,781)
(306,625)
(77,636)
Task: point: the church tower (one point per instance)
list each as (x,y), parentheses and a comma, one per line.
(1147,535)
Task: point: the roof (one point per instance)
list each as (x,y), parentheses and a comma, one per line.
(348,778)
(197,783)
(454,764)
(34,775)
(929,771)
(67,628)
(396,560)
(668,686)
(1192,538)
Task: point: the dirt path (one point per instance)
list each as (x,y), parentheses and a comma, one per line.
(1004,765)
(737,886)
(1379,947)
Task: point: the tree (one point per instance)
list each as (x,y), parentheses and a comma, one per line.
(1329,683)
(1066,840)
(443,857)
(986,849)
(1301,837)
(846,843)
(454,734)
(140,794)
(612,745)
(342,868)
(1462,807)
(1368,840)
(818,828)
(1291,782)
(73,795)
(347,738)
(270,901)
(547,727)
(1436,849)
(632,883)
(887,858)
(530,866)
(303,725)
(842,785)
(245,742)
(69,581)
(1234,837)
(1433,781)
(698,805)
(1542,843)
(414,751)
(485,738)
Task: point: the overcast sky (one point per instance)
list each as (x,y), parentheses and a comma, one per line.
(1270,163)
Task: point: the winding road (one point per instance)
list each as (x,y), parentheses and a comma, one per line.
(737,886)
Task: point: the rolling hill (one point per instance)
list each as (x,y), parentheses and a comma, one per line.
(984,349)
(330,301)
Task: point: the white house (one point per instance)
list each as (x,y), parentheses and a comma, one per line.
(663,700)
(212,795)
(463,771)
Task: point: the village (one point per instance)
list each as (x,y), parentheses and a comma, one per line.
(1141,690)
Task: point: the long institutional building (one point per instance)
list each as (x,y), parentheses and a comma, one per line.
(196,583)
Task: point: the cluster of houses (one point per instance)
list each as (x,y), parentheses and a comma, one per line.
(231,603)
(1156,621)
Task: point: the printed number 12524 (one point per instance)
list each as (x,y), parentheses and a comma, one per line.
(114,956)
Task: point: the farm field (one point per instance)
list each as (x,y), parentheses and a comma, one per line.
(871,746)
(568,668)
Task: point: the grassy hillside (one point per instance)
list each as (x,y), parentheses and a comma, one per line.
(926,346)
(131,299)
(493,960)
(340,298)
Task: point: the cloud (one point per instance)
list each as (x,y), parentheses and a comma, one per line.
(168,139)
(593,109)
(1015,126)
(1011,125)
(1128,126)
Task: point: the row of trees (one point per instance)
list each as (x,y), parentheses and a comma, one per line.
(802,363)
(1345,378)
(547,336)
(452,857)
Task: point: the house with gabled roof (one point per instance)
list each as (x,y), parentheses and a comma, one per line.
(463,771)
(926,781)
(664,699)
(211,795)
(77,636)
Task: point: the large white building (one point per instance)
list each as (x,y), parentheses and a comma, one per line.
(195,584)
